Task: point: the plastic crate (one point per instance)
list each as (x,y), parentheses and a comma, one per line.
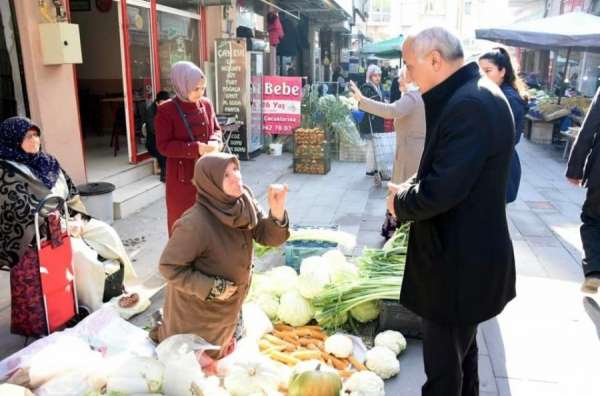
(394,316)
(296,251)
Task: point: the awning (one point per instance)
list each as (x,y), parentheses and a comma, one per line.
(577,30)
(388,49)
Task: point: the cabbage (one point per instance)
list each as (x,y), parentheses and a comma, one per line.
(268,303)
(282,279)
(295,309)
(366,311)
(340,270)
(314,276)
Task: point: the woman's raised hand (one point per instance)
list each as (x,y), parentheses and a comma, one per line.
(354,91)
(277,194)
(204,148)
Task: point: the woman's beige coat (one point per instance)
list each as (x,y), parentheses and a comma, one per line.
(408,113)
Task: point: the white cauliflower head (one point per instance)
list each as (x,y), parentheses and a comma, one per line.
(364,383)
(382,362)
(393,340)
(339,345)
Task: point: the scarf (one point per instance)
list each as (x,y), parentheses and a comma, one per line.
(209,173)
(12,132)
(185,76)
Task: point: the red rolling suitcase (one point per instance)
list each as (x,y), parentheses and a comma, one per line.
(43,294)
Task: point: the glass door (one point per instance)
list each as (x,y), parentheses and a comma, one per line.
(139,85)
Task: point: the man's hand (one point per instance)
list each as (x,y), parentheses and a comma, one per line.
(277,195)
(354,91)
(575,182)
(392,191)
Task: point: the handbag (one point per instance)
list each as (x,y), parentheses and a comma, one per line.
(185,122)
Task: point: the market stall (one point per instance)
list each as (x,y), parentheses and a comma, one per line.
(551,112)
(316,323)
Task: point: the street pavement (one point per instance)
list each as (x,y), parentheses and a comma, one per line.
(546,342)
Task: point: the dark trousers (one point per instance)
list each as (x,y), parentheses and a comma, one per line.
(450,355)
(590,231)
(153,151)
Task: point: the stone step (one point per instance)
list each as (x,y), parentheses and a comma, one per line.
(134,196)
(131,174)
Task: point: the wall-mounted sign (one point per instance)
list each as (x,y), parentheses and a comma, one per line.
(282,98)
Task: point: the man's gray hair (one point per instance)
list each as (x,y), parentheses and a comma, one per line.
(439,39)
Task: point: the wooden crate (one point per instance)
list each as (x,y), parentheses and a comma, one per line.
(312,166)
(312,152)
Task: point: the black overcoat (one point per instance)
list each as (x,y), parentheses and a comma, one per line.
(460,265)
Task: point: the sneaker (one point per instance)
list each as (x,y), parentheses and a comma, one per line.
(371,173)
(591,283)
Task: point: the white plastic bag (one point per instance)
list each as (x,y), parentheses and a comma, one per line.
(183,372)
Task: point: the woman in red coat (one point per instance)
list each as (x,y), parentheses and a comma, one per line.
(186,128)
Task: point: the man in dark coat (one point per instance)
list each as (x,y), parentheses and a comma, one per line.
(583,169)
(460,268)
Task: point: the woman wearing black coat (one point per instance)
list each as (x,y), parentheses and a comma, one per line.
(161,97)
(371,123)
(497,65)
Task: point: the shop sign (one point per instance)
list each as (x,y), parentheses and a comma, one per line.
(282,98)
(231,89)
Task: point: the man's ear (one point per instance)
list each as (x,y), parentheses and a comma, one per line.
(436,60)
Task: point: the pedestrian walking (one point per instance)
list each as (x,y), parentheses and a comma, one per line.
(497,66)
(208,259)
(371,123)
(583,169)
(460,268)
(186,129)
(408,113)
(161,97)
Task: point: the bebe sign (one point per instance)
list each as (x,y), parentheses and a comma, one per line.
(281,88)
(281,104)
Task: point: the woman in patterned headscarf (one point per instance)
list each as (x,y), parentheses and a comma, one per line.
(27,176)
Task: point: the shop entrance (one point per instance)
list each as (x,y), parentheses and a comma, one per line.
(114,84)
(128,48)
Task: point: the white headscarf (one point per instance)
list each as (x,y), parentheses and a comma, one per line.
(373,69)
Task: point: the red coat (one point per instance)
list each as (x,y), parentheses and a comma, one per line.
(173,141)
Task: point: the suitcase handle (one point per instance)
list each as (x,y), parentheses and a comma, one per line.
(60,202)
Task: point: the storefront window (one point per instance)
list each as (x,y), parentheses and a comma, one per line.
(140,57)
(582,75)
(12,99)
(178,40)
(192,6)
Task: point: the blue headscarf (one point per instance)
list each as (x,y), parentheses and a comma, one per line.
(12,132)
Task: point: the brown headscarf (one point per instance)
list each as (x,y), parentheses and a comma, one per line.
(209,173)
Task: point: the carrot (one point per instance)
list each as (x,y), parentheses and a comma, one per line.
(284,358)
(357,365)
(273,349)
(313,347)
(339,364)
(345,373)
(306,355)
(283,327)
(311,333)
(308,341)
(311,327)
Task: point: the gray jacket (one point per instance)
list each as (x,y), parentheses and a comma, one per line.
(584,162)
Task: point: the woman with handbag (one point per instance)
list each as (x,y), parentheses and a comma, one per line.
(208,260)
(371,123)
(186,129)
(27,176)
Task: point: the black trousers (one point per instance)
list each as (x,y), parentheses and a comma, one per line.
(590,231)
(450,354)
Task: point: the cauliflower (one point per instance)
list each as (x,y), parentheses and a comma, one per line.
(364,383)
(392,340)
(294,309)
(339,345)
(282,279)
(382,362)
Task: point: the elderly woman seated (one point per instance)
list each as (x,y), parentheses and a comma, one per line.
(27,176)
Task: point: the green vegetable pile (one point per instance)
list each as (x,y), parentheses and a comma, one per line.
(380,277)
